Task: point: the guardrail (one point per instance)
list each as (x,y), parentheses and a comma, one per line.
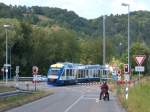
(25,78)
(13,93)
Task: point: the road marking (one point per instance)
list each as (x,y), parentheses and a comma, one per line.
(89,98)
(67,110)
(97,100)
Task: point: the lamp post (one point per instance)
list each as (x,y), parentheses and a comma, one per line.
(127,5)
(104,47)
(104,41)
(128,74)
(6,65)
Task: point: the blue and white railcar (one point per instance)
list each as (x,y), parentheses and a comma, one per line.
(62,73)
(88,73)
(70,73)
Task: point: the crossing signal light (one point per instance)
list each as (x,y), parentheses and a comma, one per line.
(119,72)
(126,68)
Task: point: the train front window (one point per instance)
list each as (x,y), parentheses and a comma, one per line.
(54,71)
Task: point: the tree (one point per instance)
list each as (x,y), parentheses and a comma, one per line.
(140,49)
(22,48)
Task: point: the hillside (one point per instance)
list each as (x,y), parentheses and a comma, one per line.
(116,25)
(62,35)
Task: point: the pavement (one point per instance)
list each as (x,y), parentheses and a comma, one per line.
(75,98)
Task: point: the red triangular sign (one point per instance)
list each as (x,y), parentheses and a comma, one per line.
(140,59)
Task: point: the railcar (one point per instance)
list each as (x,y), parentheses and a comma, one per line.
(71,73)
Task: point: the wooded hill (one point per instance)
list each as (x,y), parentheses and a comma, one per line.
(42,36)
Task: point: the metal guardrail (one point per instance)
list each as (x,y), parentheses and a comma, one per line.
(14,93)
(25,78)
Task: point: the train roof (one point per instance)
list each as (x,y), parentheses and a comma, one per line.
(74,65)
(65,64)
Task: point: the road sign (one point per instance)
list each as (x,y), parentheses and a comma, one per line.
(17,69)
(140,59)
(126,77)
(8,65)
(35,70)
(139,68)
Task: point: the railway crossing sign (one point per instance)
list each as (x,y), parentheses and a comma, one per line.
(35,70)
(17,69)
(140,59)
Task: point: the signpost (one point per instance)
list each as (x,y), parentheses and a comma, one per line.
(139,60)
(17,76)
(139,68)
(126,77)
(119,75)
(35,72)
(6,66)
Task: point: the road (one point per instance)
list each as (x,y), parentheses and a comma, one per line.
(75,98)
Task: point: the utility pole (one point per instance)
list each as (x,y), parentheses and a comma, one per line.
(104,41)
(6,64)
(129,67)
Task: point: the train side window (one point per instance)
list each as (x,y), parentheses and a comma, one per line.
(94,74)
(82,73)
(67,72)
(97,75)
(99,72)
(70,72)
(79,74)
(87,73)
(73,72)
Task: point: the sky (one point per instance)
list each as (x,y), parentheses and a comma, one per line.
(88,9)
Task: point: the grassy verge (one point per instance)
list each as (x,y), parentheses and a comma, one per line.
(14,101)
(6,89)
(139,97)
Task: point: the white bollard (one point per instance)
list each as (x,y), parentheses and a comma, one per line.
(126,93)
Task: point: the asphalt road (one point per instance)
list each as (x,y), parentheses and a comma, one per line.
(72,99)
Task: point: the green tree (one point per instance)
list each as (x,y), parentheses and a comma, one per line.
(22,48)
(140,49)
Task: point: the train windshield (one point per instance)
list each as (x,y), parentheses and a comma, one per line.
(54,71)
(53,74)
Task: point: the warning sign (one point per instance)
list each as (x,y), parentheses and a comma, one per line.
(140,59)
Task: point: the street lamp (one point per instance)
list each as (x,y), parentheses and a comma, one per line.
(128,75)
(6,65)
(127,5)
(104,42)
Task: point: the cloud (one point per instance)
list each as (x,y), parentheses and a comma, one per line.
(87,8)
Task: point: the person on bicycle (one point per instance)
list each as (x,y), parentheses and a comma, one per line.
(104,89)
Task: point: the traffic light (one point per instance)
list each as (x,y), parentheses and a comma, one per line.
(126,68)
(119,72)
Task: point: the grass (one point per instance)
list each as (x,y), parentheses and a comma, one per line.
(6,89)
(139,97)
(14,101)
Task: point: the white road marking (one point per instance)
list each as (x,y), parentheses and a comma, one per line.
(97,100)
(89,98)
(67,110)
